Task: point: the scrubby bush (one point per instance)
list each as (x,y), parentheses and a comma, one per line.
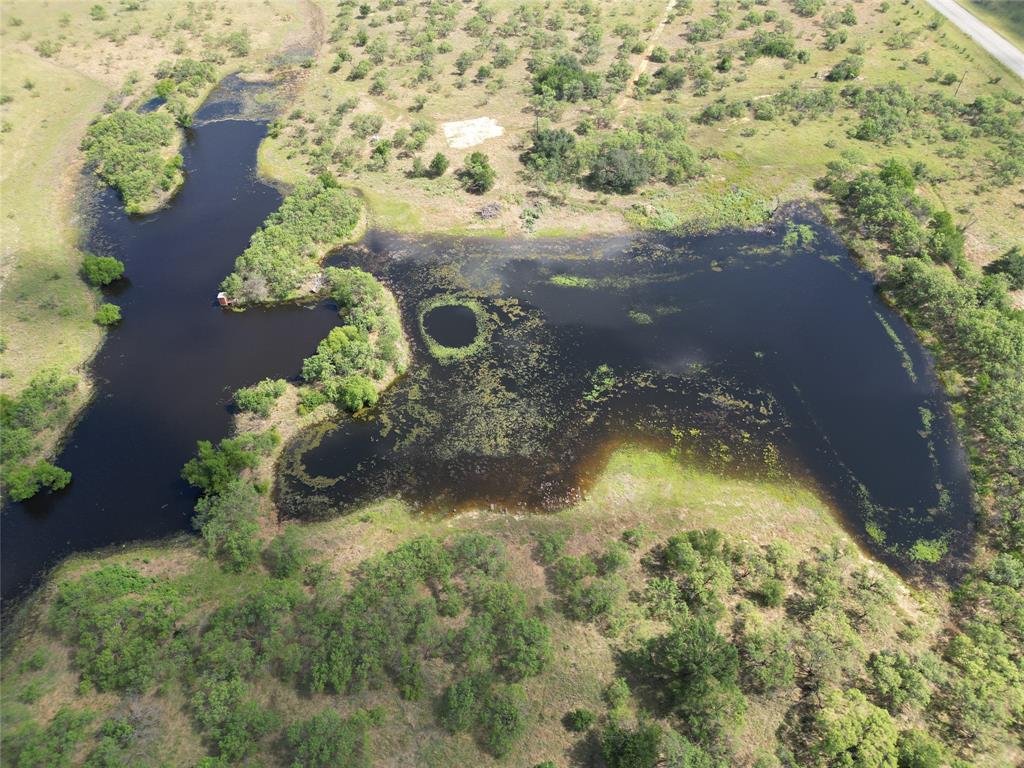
(107,315)
(847,69)
(477,175)
(502,719)
(101,270)
(260,397)
(287,554)
(53,747)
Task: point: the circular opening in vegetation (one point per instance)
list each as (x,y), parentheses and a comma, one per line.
(451,325)
(453,328)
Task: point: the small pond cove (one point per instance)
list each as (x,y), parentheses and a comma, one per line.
(531,360)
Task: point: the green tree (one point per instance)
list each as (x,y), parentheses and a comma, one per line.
(214,469)
(553,155)
(101,270)
(228,523)
(919,750)
(848,731)
(698,670)
(24,481)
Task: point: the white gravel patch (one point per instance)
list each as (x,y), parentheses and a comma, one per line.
(463,134)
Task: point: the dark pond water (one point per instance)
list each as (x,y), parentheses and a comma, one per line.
(165,376)
(731,351)
(451,325)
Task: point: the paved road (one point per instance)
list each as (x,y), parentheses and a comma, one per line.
(982,34)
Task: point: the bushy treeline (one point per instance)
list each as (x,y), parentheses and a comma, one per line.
(707,630)
(967,320)
(399,613)
(127,151)
(355,357)
(41,405)
(286,250)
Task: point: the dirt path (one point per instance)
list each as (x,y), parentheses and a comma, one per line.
(641,67)
(1002,49)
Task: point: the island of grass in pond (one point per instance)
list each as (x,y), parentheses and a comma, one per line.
(753,359)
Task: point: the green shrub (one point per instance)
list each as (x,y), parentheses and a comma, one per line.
(286,554)
(126,149)
(580,720)
(260,397)
(624,748)
(477,174)
(101,270)
(107,315)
